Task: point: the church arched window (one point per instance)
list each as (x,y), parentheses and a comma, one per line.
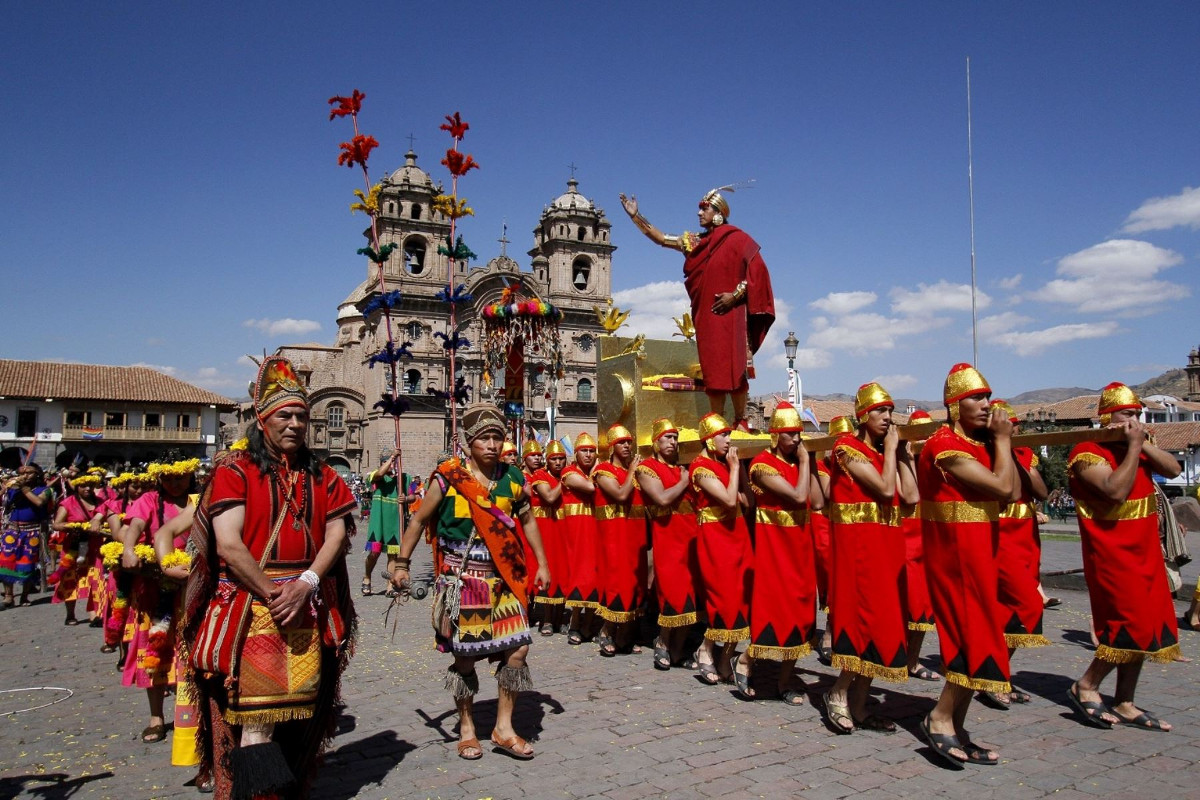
(582,232)
(416,211)
(414,256)
(581,273)
(412,381)
(413,331)
(583,392)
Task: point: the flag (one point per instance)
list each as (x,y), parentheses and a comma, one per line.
(811,416)
(566,443)
(92,434)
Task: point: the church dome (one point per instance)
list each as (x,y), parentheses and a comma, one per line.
(410,176)
(573,200)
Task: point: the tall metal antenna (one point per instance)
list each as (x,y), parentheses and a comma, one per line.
(971,194)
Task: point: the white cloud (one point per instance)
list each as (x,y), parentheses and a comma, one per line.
(1011,282)
(896,383)
(283,327)
(1001,323)
(651,308)
(1113,276)
(1161,213)
(1029,343)
(866,333)
(168,370)
(941,296)
(838,303)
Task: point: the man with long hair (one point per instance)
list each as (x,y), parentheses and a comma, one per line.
(270,537)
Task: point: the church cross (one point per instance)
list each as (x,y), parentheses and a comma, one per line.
(503,240)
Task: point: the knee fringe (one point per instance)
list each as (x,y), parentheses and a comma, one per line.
(514,680)
(461,686)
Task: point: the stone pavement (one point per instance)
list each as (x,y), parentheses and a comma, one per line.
(612,728)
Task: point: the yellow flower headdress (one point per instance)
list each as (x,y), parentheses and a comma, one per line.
(185,467)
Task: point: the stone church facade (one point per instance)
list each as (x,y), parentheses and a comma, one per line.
(570,267)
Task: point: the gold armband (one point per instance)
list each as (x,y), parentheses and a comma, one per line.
(740,292)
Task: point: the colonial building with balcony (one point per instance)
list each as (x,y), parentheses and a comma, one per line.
(110,415)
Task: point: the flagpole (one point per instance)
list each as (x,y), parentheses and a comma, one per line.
(971,197)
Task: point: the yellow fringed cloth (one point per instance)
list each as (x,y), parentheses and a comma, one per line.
(280,669)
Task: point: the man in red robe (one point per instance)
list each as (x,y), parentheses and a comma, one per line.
(1133,615)
(732,303)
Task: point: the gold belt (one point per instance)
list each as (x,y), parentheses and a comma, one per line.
(961,511)
(714,514)
(1130,509)
(1017,511)
(854,513)
(541,512)
(576,510)
(777,516)
(611,512)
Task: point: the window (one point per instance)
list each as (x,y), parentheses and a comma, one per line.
(413,331)
(581,273)
(79,418)
(412,381)
(114,419)
(183,421)
(335,416)
(582,231)
(26,422)
(414,256)
(416,211)
(584,392)
(152,419)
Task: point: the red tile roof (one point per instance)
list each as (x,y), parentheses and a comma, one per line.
(1176,436)
(42,379)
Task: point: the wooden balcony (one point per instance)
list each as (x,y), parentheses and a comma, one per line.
(123,433)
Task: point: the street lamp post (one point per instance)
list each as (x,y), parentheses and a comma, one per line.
(795,397)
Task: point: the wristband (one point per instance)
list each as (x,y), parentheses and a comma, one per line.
(309,577)
(403,563)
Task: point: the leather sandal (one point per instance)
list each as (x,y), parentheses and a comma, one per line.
(513,746)
(837,715)
(1144,720)
(662,657)
(708,672)
(466,744)
(154,733)
(741,680)
(366,587)
(793,697)
(942,744)
(1091,711)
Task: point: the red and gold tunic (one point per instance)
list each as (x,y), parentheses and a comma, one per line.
(918,608)
(725,556)
(673,534)
(866,608)
(578,528)
(783,605)
(1019,565)
(623,548)
(822,535)
(547,517)
(961,539)
(1132,611)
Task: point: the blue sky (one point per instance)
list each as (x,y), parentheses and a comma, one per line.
(172,196)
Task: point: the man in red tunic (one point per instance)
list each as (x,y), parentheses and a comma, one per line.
(272,529)
(623,543)
(871,475)
(1133,615)
(783,601)
(965,474)
(730,289)
(667,491)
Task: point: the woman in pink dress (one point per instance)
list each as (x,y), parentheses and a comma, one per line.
(150,664)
